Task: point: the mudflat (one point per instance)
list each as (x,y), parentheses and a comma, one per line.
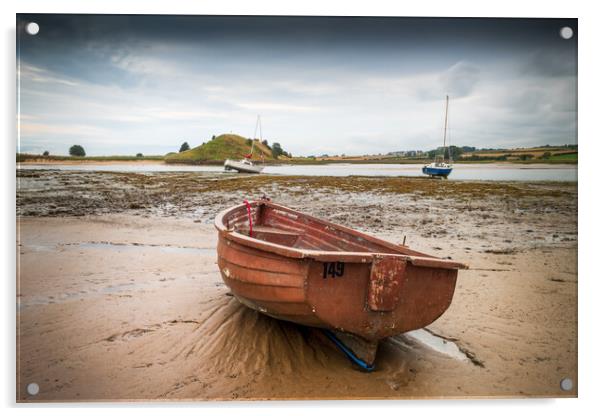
(119,296)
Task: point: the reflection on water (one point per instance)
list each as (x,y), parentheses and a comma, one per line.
(137,246)
(489,171)
(441,345)
(164,248)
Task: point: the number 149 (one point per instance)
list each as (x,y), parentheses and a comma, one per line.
(333,269)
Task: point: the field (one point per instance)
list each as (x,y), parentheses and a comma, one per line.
(529,155)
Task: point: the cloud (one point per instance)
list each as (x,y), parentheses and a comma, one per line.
(274,106)
(546,63)
(460,80)
(78,130)
(35,74)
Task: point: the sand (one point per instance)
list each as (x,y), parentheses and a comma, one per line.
(124,301)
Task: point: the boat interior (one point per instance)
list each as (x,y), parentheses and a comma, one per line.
(281,226)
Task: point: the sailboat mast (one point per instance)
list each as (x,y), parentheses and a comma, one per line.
(445,126)
(260,133)
(257,124)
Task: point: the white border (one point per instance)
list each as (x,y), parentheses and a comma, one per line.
(590,97)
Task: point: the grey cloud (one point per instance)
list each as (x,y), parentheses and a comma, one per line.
(460,80)
(551,63)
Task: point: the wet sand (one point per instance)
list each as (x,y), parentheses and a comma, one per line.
(120,298)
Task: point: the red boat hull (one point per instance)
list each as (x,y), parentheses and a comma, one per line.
(309,271)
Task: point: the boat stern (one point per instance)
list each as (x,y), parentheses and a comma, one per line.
(388,296)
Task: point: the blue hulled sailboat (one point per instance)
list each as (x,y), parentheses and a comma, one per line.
(440,168)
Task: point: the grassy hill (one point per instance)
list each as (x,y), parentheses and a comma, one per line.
(225,146)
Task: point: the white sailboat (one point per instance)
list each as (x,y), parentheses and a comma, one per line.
(245,165)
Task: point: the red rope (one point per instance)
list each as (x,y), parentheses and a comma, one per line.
(250,218)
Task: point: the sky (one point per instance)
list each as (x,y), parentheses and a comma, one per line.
(119,84)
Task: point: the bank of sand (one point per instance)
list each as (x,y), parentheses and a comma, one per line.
(130,305)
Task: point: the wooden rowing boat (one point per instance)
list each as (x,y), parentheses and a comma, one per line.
(302,269)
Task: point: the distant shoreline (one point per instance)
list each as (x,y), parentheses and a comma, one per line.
(103,160)
(66,161)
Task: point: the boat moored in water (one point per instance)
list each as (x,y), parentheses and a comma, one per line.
(298,268)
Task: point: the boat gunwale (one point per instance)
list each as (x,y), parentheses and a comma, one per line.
(327,256)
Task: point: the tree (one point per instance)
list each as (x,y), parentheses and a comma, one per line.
(77,150)
(184,147)
(276,150)
(455,151)
(46,153)
(546,155)
(139,155)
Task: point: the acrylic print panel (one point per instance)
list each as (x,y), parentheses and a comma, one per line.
(445,148)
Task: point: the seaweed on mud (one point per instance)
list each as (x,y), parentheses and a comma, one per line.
(373,204)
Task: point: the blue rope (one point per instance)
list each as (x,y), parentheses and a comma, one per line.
(348,352)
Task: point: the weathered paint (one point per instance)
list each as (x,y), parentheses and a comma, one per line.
(387,277)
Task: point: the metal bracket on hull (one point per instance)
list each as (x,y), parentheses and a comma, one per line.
(387,277)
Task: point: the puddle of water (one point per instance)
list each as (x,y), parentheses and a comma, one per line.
(173,249)
(38,247)
(441,345)
(130,247)
(114,288)
(118,288)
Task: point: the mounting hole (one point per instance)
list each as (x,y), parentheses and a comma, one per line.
(33,389)
(566,32)
(566,384)
(32,28)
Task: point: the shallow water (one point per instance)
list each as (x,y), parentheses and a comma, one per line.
(436,343)
(489,171)
(125,247)
(136,246)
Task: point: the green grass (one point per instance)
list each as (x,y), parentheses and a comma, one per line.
(24,157)
(225,146)
(565,157)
